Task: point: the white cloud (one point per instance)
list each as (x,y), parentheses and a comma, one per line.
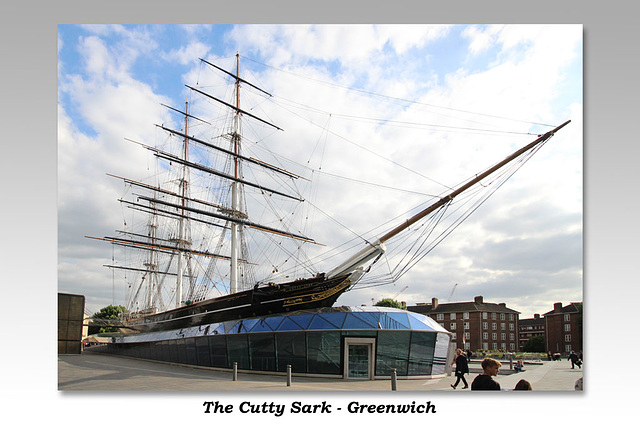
(187,54)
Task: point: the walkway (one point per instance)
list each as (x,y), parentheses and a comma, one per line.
(102,372)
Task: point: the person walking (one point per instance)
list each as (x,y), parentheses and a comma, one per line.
(462,367)
(575,360)
(484,381)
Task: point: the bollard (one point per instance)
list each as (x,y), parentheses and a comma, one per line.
(394,380)
(288,375)
(235,371)
(510,360)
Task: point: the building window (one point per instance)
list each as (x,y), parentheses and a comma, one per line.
(567,327)
(493,316)
(494,346)
(484,315)
(510,316)
(494,336)
(512,347)
(512,326)
(454,337)
(485,335)
(452,316)
(502,316)
(567,348)
(467,335)
(452,326)
(567,338)
(440,316)
(442,324)
(466,325)
(503,327)
(465,315)
(485,325)
(503,336)
(511,337)
(485,346)
(567,317)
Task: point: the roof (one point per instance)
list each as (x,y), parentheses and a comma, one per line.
(333,318)
(457,307)
(531,321)
(574,307)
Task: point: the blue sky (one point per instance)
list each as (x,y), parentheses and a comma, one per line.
(524,248)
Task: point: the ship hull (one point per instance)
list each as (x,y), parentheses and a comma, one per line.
(259,301)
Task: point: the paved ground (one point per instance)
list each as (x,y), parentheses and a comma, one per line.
(102,372)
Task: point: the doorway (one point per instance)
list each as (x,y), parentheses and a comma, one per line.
(358,357)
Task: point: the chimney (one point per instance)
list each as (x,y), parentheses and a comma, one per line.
(434,303)
(557,307)
(478,299)
(536,316)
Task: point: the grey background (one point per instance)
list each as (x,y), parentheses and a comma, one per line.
(29,217)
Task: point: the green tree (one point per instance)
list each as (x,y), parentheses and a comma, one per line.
(107,313)
(388,302)
(534,344)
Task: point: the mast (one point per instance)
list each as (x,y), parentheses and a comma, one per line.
(235,190)
(182,241)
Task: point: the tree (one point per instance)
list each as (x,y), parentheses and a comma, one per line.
(388,302)
(107,313)
(534,344)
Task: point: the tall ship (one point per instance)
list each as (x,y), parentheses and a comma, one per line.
(210,207)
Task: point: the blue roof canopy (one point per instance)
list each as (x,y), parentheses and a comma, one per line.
(333,318)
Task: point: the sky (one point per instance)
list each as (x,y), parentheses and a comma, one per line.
(416,108)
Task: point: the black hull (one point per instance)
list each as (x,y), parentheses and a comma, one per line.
(260,301)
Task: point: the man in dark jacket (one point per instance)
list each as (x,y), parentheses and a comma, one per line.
(484,381)
(575,360)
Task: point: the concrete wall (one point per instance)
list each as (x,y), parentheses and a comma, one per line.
(70,318)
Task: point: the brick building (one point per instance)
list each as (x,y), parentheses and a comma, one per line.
(563,328)
(476,325)
(529,328)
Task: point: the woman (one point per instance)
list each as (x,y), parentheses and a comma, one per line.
(462,367)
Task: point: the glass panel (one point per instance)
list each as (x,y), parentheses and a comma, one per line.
(218,351)
(247,325)
(394,321)
(261,326)
(358,361)
(302,320)
(273,322)
(320,322)
(190,346)
(202,351)
(419,322)
(219,330)
(291,350)
(238,351)
(372,318)
(336,319)
(392,352)
(421,353)
(323,352)
(353,321)
(262,352)
(182,351)
(231,327)
(289,325)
